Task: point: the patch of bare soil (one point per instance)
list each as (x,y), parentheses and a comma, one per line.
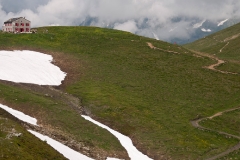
(196,124)
(153,47)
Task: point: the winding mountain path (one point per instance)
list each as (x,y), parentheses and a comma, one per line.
(199,54)
(153,47)
(196,124)
(213,66)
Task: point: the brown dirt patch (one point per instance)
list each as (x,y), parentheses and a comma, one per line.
(153,47)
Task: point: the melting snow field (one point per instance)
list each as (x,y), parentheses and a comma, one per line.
(126,142)
(36,68)
(197,25)
(206,30)
(23,117)
(222,22)
(66,151)
(29,67)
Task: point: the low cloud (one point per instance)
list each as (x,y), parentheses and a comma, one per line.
(129,26)
(167,19)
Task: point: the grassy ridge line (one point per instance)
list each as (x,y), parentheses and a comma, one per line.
(147,94)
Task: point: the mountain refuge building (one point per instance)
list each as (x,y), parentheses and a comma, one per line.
(17,25)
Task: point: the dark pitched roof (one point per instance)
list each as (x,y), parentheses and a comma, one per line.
(13,19)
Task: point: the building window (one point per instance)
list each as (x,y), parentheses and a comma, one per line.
(22,24)
(27,29)
(16,24)
(27,24)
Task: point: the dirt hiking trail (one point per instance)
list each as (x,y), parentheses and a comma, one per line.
(213,66)
(153,47)
(196,124)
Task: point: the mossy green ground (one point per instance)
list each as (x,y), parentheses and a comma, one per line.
(24,146)
(232,156)
(147,94)
(228,122)
(227,41)
(225,46)
(57,114)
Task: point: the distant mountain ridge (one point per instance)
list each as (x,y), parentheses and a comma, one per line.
(194,29)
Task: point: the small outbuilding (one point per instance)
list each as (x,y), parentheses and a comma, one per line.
(17,25)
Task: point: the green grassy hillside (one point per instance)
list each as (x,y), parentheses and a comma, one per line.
(17,143)
(150,95)
(223,44)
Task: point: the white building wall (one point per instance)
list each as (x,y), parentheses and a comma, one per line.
(20,25)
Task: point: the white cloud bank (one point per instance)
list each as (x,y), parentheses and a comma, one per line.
(136,16)
(129,26)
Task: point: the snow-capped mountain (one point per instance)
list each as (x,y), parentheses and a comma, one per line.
(177,30)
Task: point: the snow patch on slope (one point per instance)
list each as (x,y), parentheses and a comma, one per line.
(20,115)
(172,29)
(206,30)
(66,151)
(155,36)
(197,25)
(29,67)
(222,22)
(126,142)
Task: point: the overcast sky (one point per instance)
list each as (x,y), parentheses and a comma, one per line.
(129,15)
